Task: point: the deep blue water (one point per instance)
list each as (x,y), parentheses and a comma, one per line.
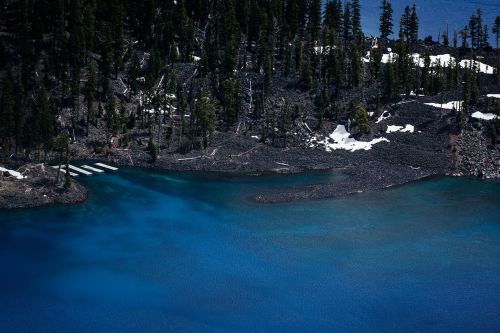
(434,15)
(160,252)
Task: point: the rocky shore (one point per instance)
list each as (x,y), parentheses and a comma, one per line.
(476,156)
(405,158)
(38,188)
(433,148)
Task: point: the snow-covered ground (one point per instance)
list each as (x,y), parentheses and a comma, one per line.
(483,68)
(148,107)
(406,129)
(13,173)
(389,57)
(442,60)
(457,105)
(385,115)
(324,50)
(340,139)
(484,116)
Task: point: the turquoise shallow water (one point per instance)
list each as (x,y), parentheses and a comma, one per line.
(161,252)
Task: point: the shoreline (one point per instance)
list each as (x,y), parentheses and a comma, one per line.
(354,183)
(407,157)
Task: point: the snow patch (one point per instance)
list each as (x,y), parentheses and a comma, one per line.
(340,139)
(389,57)
(323,49)
(484,116)
(457,105)
(493,95)
(407,129)
(13,173)
(385,115)
(446,60)
(483,68)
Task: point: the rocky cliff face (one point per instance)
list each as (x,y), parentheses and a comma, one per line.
(476,156)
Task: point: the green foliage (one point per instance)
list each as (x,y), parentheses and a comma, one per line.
(386,19)
(231,101)
(152,150)
(205,120)
(361,117)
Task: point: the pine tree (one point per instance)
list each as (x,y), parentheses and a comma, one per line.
(474,31)
(230,30)
(361,117)
(413,26)
(356,22)
(389,82)
(89,27)
(20,116)
(90,90)
(480,33)
(333,16)
(205,120)
(152,150)
(355,67)
(134,70)
(67,179)
(44,123)
(7,116)
(347,28)
(386,24)
(230,101)
(464,33)
(324,102)
(496,29)
(314,20)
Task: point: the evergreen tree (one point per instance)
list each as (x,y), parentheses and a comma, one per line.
(356,22)
(386,19)
(230,101)
(496,29)
(324,102)
(361,117)
(404,25)
(347,29)
(67,178)
(314,20)
(152,150)
(7,115)
(90,91)
(413,26)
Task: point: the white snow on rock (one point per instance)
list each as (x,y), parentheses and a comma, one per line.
(406,129)
(13,173)
(493,95)
(389,57)
(484,116)
(324,50)
(446,60)
(441,60)
(340,139)
(483,68)
(385,115)
(457,105)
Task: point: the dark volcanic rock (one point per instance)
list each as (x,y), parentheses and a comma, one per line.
(38,189)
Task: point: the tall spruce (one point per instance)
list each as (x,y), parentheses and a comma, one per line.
(386,24)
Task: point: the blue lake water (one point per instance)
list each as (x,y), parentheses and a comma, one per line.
(163,252)
(434,15)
